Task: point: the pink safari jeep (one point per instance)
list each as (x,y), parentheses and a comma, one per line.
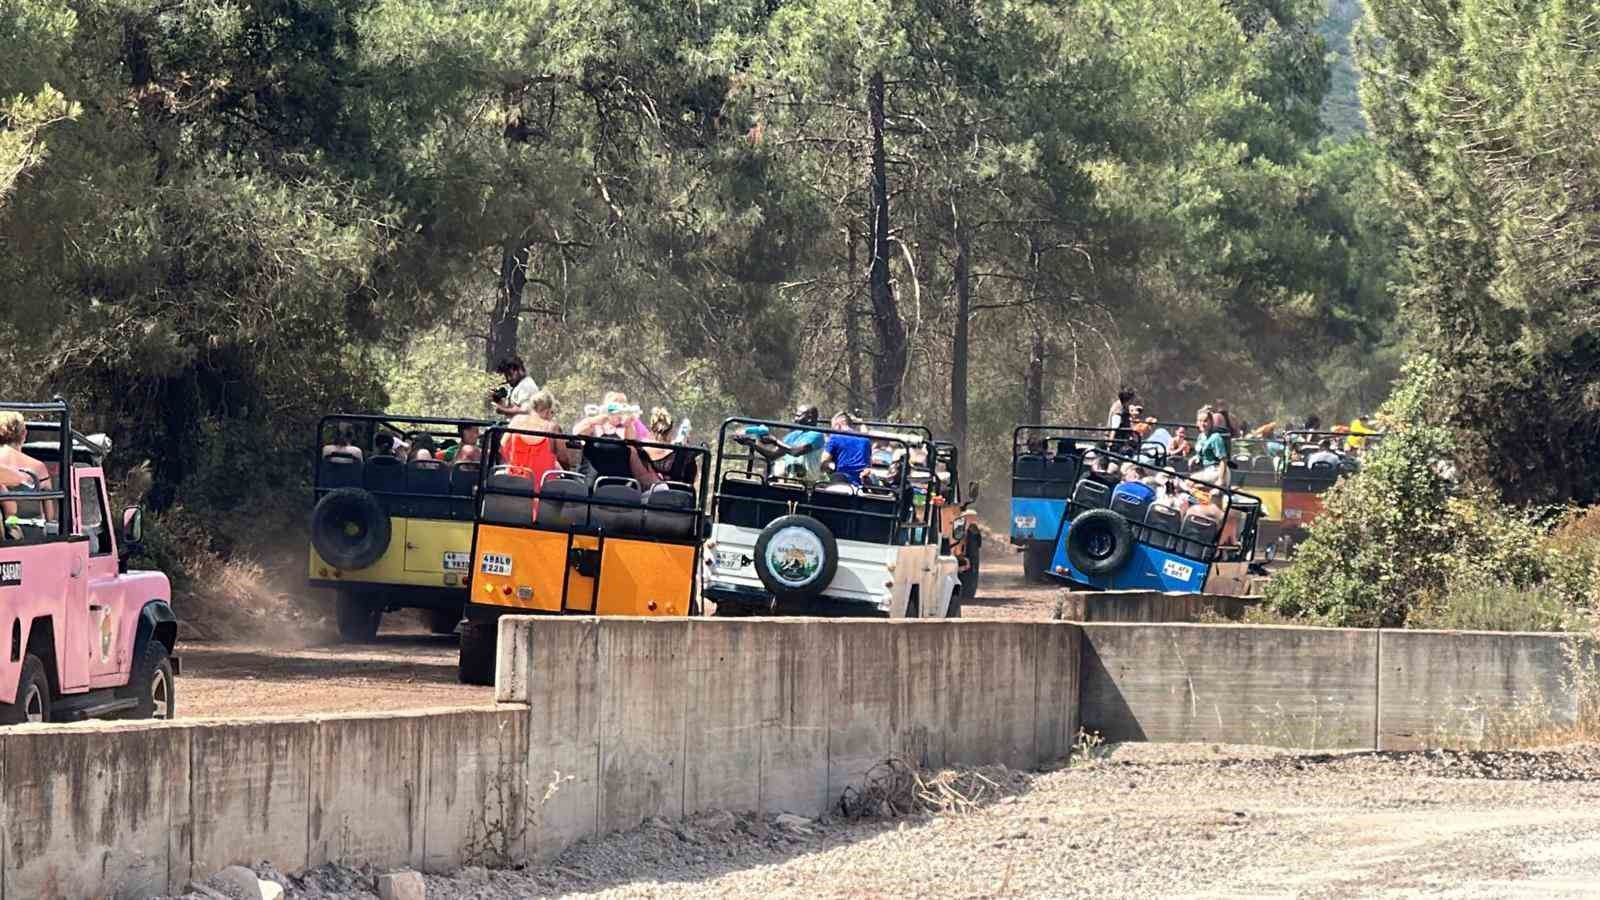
(88,637)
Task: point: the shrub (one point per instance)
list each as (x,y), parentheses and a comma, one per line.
(1398,544)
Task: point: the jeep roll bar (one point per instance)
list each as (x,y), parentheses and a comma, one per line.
(57,407)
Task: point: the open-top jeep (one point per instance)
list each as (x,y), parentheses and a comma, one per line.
(786,546)
(592,541)
(390,529)
(88,637)
(1119,535)
(1046,463)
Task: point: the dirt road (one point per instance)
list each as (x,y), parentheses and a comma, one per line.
(400,671)
(409,668)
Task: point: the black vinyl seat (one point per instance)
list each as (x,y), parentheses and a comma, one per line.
(1091,494)
(463,485)
(837,509)
(430,477)
(1164,523)
(669,511)
(876,519)
(385,474)
(508,499)
(1199,533)
(1060,474)
(737,499)
(1132,509)
(341,470)
(617,506)
(1028,475)
(563,501)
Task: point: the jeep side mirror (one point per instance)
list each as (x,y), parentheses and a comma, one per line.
(132,525)
(972,491)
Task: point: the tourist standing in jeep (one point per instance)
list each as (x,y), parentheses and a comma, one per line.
(89,636)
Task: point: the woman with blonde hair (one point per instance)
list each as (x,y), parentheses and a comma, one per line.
(534,453)
(13,434)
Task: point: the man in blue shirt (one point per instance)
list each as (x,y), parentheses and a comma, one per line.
(799,454)
(849,453)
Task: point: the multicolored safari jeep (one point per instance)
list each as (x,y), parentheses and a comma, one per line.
(88,637)
(392,524)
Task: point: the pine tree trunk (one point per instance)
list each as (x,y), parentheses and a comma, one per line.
(889,365)
(852,326)
(1033,387)
(506,317)
(958,352)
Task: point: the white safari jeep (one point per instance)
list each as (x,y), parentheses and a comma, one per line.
(781,546)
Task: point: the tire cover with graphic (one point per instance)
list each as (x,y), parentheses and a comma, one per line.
(796,557)
(1099,542)
(350,528)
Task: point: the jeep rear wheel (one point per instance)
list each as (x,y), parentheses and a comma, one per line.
(152,686)
(32,703)
(358,616)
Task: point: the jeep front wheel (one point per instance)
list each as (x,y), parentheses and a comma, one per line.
(358,617)
(152,686)
(32,703)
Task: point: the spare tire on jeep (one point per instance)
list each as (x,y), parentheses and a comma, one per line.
(796,557)
(1100,542)
(350,528)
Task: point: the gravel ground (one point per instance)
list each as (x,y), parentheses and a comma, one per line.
(1138,820)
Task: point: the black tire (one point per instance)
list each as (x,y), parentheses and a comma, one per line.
(152,686)
(444,621)
(812,576)
(1036,560)
(477,663)
(358,616)
(969,579)
(1100,542)
(350,528)
(32,702)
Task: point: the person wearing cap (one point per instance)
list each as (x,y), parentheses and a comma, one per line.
(850,454)
(799,454)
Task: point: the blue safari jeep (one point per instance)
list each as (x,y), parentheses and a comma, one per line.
(1046,463)
(1113,536)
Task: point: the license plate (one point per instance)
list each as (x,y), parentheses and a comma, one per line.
(1026,521)
(728,559)
(457,561)
(496,564)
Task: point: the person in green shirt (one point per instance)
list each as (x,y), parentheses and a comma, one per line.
(467,450)
(1211,455)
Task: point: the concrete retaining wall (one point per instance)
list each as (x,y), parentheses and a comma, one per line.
(1449,687)
(1296,687)
(140,809)
(631,718)
(1150,606)
(638,718)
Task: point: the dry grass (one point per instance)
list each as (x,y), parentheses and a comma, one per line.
(1534,721)
(895,788)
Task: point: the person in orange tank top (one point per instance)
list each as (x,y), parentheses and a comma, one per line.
(533,454)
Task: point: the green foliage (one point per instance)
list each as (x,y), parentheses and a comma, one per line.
(436,374)
(1486,113)
(1398,545)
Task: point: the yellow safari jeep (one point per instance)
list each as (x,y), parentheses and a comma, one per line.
(392,523)
(594,539)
